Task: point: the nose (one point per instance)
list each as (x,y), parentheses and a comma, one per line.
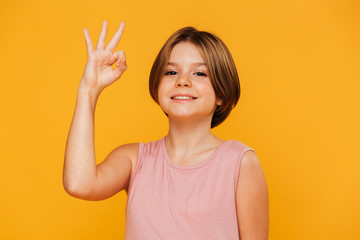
(183,81)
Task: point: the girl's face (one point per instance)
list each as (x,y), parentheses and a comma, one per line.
(185,89)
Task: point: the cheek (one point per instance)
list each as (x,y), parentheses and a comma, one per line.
(212,94)
(162,92)
(208,89)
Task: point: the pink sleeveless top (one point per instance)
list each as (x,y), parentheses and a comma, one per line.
(169,201)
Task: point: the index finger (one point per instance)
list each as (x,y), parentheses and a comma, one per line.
(89,44)
(116,38)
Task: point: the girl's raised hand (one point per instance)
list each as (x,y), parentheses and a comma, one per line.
(99,72)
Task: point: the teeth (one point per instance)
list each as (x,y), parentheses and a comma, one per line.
(182,97)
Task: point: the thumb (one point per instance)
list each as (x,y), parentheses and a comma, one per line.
(118,55)
(120,67)
(120,63)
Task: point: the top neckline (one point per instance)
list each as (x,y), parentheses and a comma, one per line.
(167,158)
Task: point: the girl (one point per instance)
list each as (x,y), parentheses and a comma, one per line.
(188,184)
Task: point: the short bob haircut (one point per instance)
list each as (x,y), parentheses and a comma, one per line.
(221,67)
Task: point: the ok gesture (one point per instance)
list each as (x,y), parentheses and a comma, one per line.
(99,72)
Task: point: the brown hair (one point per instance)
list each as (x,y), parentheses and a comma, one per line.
(222,70)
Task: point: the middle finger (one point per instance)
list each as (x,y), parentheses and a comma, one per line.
(116,38)
(102,37)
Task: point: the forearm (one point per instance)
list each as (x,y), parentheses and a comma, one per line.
(80,162)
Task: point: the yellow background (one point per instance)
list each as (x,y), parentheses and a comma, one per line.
(298,63)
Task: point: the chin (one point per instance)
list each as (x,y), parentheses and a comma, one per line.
(180,115)
(189,115)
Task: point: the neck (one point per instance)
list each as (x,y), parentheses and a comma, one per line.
(190,135)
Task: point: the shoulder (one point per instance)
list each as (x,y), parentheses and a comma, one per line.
(132,149)
(250,158)
(239,147)
(250,171)
(251,182)
(136,151)
(127,151)
(237,144)
(251,168)
(252,198)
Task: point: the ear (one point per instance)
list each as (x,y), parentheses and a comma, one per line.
(219,101)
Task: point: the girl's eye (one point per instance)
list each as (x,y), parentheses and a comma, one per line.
(201,74)
(170,73)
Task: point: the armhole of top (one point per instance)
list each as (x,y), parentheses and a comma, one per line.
(238,165)
(137,166)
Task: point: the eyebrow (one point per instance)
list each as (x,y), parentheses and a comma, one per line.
(194,64)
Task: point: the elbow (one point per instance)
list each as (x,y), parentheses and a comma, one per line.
(70,188)
(74,189)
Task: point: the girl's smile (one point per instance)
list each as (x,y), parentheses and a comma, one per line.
(183,98)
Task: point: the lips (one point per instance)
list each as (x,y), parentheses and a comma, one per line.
(183,96)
